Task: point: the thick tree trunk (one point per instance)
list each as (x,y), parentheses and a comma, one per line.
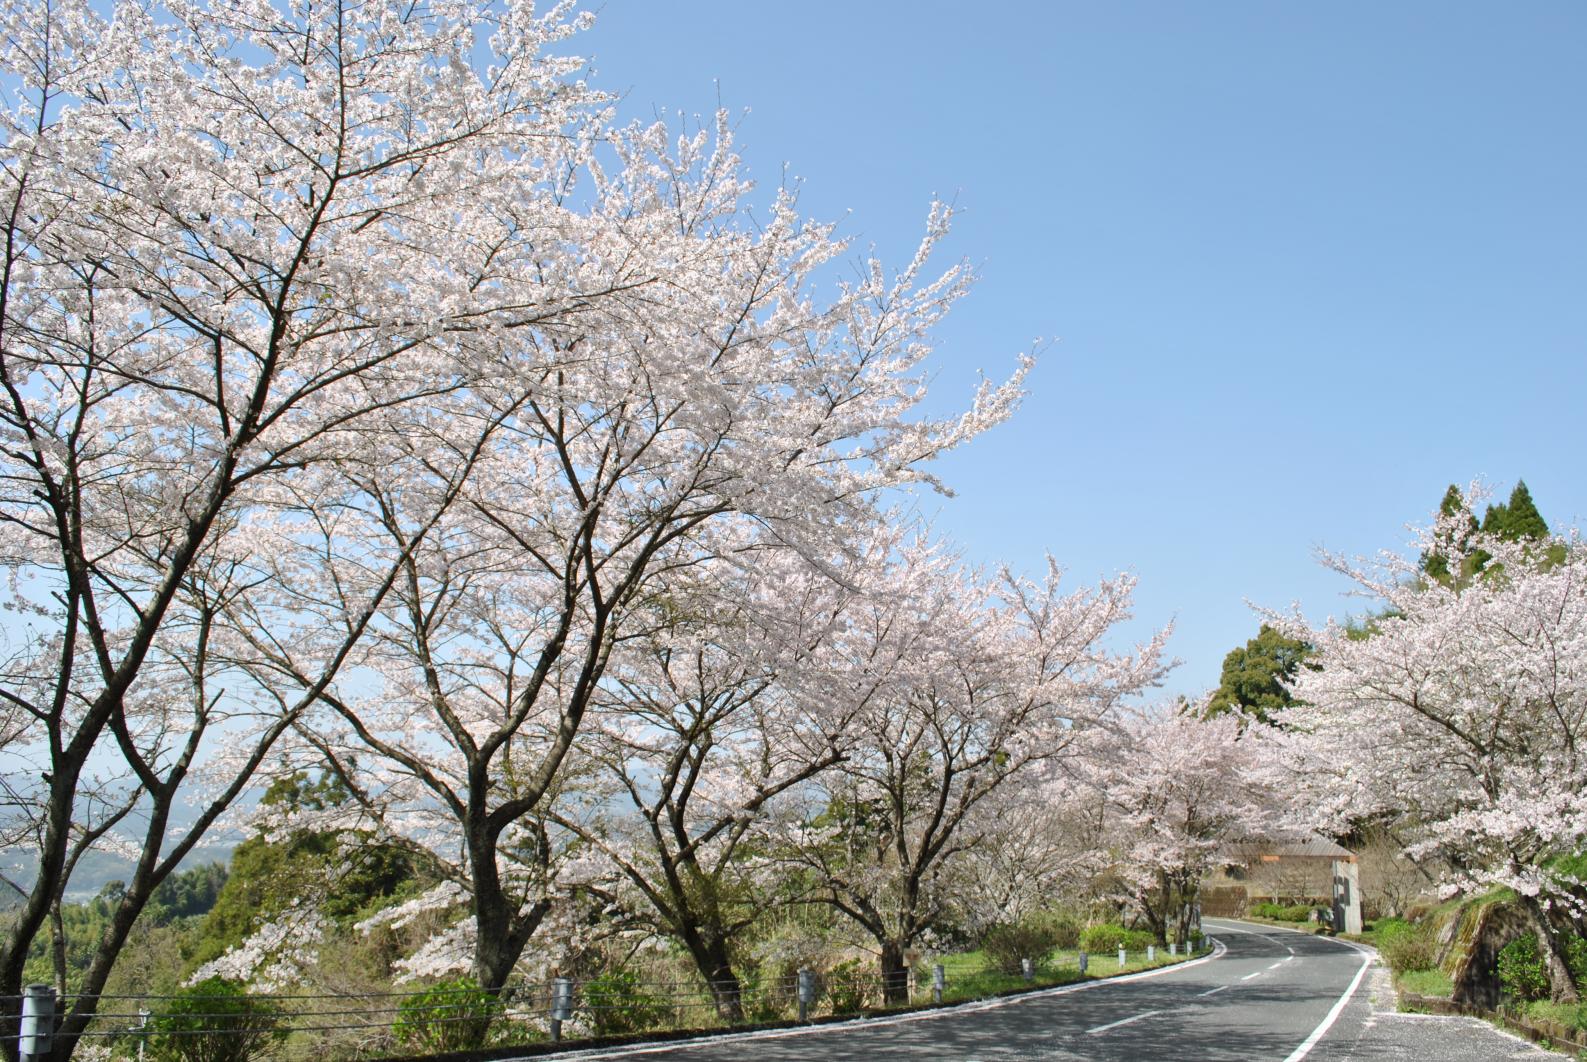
(712,960)
(1562,987)
(895,975)
(1158,908)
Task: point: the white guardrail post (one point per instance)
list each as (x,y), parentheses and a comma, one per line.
(561,1005)
(38,1023)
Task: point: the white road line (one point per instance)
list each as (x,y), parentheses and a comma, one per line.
(1276,965)
(1213,991)
(1338,1008)
(1121,1021)
(1248,976)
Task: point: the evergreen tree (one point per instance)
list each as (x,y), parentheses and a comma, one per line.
(1516,520)
(266,875)
(1435,563)
(1255,676)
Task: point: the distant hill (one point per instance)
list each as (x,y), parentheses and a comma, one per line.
(97,869)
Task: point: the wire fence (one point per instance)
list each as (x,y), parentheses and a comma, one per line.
(325,1026)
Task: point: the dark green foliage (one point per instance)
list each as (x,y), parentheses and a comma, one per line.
(617,1002)
(267,875)
(215,1021)
(1254,676)
(1576,959)
(1109,937)
(1435,562)
(1522,974)
(188,894)
(1516,520)
(1299,912)
(448,1016)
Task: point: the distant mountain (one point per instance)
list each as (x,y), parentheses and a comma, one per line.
(97,869)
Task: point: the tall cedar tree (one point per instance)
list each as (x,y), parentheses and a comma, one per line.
(1517,520)
(1435,562)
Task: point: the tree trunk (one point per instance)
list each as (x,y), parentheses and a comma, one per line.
(58,947)
(1561,986)
(712,960)
(1159,908)
(895,975)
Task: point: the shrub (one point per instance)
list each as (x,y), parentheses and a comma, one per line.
(447,1016)
(1405,947)
(1576,959)
(846,987)
(215,1021)
(618,1003)
(1521,971)
(1109,937)
(1299,912)
(1006,944)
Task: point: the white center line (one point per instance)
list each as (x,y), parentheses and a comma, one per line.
(1213,991)
(1121,1021)
(1276,965)
(1248,976)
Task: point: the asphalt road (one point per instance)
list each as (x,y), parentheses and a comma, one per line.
(1264,994)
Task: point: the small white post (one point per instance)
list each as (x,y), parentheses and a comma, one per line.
(1151,953)
(143,1024)
(1084,959)
(1173,949)
(939,981)
(38,1023)
(1121,956)
(1027,968)
(807,992)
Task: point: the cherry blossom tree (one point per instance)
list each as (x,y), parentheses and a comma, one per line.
(354,338)
(735,700)
(240,241)
(1176,787)
(1036,841)
(723,413)
(988,681)
(1459,717)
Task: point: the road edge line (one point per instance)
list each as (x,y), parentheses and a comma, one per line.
(973,1007)
(1367,958)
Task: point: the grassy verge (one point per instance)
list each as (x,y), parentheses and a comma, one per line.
(969,975)
(1426,983)
(1571,1015)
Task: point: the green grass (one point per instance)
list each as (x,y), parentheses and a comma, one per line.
(1427,983)
(1570,1015)
(967,975)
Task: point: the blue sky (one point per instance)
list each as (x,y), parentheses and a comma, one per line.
(1298,266)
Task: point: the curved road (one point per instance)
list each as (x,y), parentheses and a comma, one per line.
(1264,994)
